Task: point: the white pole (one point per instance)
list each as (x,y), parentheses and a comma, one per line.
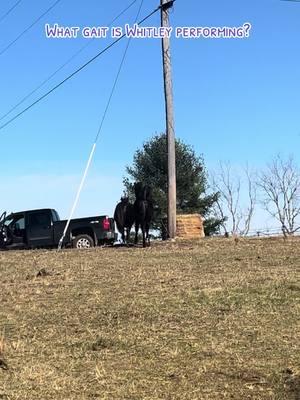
(77,196)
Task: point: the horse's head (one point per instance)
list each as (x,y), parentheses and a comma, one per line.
(124,199)
(142,192)
(138,190)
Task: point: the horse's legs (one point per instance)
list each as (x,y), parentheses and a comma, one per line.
(147,233)
(143,232)
(128,229)
(136,233)
(123,235)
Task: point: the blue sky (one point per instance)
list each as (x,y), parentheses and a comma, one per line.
(235,99)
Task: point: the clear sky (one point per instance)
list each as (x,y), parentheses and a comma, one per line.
(235,99)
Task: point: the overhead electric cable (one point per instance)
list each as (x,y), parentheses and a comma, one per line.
(64,64)
(75,72)
(29,27)
(117,78)
(97,136)
(10,10)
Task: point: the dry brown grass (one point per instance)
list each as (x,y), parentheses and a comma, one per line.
(214,319)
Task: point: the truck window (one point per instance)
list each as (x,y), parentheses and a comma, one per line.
(16,224)
(11,221)
(39,219)
(8,220)
(55,216)
(19,223)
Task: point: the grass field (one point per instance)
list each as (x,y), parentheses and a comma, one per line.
(213,319)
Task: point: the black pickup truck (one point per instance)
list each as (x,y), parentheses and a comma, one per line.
(43,228)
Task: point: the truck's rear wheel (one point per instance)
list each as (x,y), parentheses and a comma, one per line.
(83,242)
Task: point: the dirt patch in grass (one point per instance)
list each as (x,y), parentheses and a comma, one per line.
(210,319)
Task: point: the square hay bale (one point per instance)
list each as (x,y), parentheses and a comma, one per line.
(189,226)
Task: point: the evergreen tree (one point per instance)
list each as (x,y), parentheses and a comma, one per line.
(150,167)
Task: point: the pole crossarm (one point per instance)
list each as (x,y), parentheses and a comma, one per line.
(167,5)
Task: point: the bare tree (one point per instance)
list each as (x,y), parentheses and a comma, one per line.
(229,184)
(280,184)
(251,192)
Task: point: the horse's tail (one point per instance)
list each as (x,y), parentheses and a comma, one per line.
(140,210)
(119,216)
(129,215)
(142,192)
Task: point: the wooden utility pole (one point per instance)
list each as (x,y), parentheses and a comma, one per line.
(170,130)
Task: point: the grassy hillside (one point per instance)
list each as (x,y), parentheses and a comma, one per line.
(215,319)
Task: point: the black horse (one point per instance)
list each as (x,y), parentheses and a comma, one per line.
(143,210)
(124,216)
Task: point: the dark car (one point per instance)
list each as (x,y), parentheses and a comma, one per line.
(43,228)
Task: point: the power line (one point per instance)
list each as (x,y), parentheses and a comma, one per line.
(117,78)
(29,27)
(75,72)
(97,136)
(10,10)
(64,64)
